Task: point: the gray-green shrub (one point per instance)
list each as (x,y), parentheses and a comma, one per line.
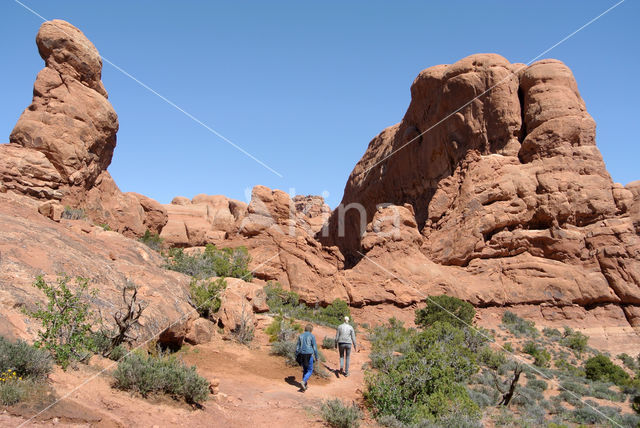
(339,415)
(24,359)
(161,374)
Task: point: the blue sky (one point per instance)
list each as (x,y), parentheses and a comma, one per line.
(304,86)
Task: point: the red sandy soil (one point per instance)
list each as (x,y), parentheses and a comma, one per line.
(256,389)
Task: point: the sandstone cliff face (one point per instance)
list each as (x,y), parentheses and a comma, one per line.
(510,189)
(64,141)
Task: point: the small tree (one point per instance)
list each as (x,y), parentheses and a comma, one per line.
(65,320)
(446,309)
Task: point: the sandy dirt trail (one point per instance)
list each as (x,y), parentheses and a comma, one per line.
(256,389)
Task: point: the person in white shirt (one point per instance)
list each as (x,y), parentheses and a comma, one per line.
(345,338)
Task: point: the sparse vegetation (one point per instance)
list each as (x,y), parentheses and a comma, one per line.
(339,415)
(23,370)
(212,262)
(288,303)
(66,320)
(541,356)
(445,308)
(244,332)
(575,340)
(162,374)
(70,213)
(328,342)
(152,240)
(517,326)
(205,295)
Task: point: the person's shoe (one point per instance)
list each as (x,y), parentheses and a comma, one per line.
(346,375)
(304,386)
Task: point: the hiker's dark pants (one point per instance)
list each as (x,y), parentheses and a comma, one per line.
(345,349)
(307,366)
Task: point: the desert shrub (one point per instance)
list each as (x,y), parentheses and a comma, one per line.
(328,342)
(205,295)
(518,326)
(288,303)
(575,340)
(537,384)
(491,359)
(541,356)
(603,390)
(244,332)
(14,389)
(483,397)
(66,320)
(445,308)
(602,368)
(635,403)
(70,213)
(152,240)
(23,359)
(552,333)
(286,349)
(578,388)
(224,262)
(162,374)
(283,329)
(339,415)
(628,361)
(388,342)
(525,396)
(588,415)
(571,398)
(426,383)
(508,347)
(564,366)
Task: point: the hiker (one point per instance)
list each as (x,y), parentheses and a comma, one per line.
(345,337)
(306,353)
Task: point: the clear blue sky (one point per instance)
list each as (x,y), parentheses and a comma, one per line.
(303,85)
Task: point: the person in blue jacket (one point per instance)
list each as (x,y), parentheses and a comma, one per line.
(306,353)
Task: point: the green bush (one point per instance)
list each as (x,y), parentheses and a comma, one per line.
(225,262)
(388,342)
(152,240)
(445,308)
(288,303)
(552,333)
(575,340)
(205,295)
(66,320)
(565,366)
(426,383)
(492,359)
(602,368)
(339,415)
(541,356)
(328,342)
(518,326)
(162,374)
(24,360)
(286,349)
(538,384)
(283,329)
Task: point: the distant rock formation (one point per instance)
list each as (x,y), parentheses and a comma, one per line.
(508,188)
(64,141)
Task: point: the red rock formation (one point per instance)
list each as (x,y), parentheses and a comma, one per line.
(510,191)
(64,141)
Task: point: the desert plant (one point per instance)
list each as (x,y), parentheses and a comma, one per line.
(328,342)
(445,309)
(552,333)
(70,213)
(14,389)
(540,355)
(162,374)
(244,332)
(600,367)
(66,320)
(24,360)
(339,415)
(575,340)
(491,359)
(205,295)
(282,329)
(152,240)
(224,262)
(519,326)
(628,361)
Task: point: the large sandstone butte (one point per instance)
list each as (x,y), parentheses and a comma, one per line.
(64,141)
(498,165)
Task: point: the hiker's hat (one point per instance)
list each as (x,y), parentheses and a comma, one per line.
(346,319)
